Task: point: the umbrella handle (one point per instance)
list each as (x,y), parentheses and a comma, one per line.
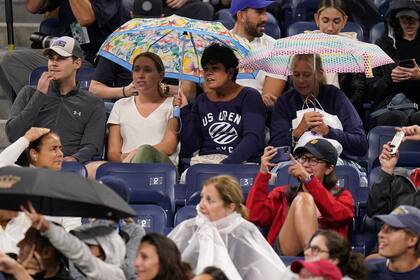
(177,112)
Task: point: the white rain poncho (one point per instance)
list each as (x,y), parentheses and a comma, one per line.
(233,244)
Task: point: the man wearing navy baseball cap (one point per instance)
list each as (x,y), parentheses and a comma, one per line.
(250,19)
(399,243)
(238,5)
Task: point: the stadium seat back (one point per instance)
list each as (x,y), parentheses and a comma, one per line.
(184,213)
(151,217)
(198,173)
(84,76)
(376,32)
(304,10)
(380,135)
(74,167)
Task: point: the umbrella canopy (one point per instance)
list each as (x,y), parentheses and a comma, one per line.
(179,42)
(339,54)
(59,194)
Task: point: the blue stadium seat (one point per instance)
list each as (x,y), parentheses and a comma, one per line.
(118,185)
(151,217)
(75,167)
(225,18)
(271,27)
(304,10)
(301,26)
(146,181)
(376,32)
(380,135)
(84,76)
(184,213)
(51,26)
(198,173)
(180,195)
(382,6)
(138,196)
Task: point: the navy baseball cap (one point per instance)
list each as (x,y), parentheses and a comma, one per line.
(403,216)
(321,149)
(239,5)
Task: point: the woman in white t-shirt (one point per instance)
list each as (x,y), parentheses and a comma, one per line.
(141,127)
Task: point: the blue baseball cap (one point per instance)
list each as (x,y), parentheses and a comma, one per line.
(239,5)
(403,216)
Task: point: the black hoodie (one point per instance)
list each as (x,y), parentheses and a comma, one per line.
(381,88)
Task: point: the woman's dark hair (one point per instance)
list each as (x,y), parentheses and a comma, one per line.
(170,265)
(216,53)
(215,273)
(350,263)
(25,159)
(339,5)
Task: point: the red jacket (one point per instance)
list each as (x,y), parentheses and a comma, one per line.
(269,210)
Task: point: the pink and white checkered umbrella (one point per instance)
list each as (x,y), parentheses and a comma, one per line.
(339,54)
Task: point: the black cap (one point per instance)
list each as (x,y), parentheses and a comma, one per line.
(147,8)
(321,149)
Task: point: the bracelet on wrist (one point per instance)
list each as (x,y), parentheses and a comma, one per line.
(123,90)
(307,180)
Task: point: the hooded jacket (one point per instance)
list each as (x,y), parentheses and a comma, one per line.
(381,88)
(390,191)
(79,253)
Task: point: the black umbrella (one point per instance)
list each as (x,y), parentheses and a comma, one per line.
(59,194)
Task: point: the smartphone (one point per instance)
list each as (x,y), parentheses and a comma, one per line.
(407,63)
(396,142)
(283,154)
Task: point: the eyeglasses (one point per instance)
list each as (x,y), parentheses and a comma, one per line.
(311,160)
(315,249)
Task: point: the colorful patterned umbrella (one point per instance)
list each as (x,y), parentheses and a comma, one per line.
(179,41)
(339,54)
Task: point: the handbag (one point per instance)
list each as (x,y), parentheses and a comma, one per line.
(399,102)
(329,119)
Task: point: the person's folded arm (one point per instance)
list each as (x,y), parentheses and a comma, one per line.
(93,136)
(281,124)
(24,112)
(352,137)
(190,134)
(83,11)
(169,142)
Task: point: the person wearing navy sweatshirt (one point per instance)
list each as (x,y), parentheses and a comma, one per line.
(228,120)
(333,101)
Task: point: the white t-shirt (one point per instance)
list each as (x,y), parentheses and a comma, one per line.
(258,82)
(137,130)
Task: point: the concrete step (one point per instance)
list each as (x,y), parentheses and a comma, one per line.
(3,138)
(20,14)
(22,32)
(5,106)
